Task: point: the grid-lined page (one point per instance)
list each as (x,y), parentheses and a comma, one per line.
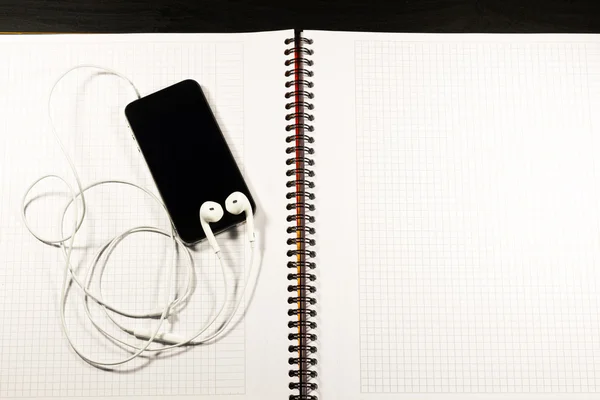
(478,217)
(35,359)
(464,255)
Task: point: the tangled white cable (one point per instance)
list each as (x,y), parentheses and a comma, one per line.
(172,301)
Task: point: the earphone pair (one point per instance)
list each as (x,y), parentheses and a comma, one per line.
(174,300)
(211,212)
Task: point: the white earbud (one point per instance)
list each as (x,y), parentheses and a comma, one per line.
(210,212)
(236,203)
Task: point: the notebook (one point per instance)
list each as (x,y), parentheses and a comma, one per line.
(428,213)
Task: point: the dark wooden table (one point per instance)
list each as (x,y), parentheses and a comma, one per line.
(237,15)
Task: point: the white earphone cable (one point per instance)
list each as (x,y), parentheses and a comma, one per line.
(66,243)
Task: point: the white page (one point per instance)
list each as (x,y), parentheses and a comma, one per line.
(242,76)
(458,224)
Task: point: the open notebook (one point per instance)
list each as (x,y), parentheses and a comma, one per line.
(454,244)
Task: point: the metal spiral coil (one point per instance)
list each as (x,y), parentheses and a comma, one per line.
(308,195)
(305,171)
(301,177)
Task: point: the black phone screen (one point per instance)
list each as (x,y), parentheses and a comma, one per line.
(187,155)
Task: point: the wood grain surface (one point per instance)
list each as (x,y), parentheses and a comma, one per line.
(240,16)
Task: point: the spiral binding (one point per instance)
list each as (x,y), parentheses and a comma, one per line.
(302,280)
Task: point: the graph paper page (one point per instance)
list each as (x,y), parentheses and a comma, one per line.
(236,73)
(459,225)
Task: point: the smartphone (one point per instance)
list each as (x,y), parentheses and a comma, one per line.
(187,155)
